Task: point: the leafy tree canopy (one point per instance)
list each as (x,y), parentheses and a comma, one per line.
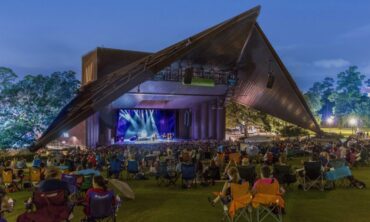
(342,98)
(29,105)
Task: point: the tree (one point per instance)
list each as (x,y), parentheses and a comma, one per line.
(7,77)
(313,98)
(242,116)
(327,98)
(31,104)
(367,83)
(348,99)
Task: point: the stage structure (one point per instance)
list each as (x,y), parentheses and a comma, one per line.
(192,79)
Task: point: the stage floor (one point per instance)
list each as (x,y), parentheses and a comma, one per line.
(158,141)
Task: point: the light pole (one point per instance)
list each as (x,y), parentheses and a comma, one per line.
(330,120)
(353,122)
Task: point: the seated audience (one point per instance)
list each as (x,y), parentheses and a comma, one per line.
(100,187)
(266,178)
(225,195)
(53,182)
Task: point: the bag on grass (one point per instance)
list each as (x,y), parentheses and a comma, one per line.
(357,183)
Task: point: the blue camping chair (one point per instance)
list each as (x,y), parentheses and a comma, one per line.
(188,174)
(164,176)
(115,168)
(71,180)
(36,163)
(132,168)
(101,207)
(339,172)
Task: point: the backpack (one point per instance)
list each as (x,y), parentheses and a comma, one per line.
(357,183)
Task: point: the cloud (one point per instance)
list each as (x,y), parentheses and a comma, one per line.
(286,47)
(363,31)
(331,63)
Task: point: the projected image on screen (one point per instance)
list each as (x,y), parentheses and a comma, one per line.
(145,124)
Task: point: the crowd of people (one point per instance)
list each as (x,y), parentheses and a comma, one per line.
(209,162)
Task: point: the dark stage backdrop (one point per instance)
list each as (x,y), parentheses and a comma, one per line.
(144,123)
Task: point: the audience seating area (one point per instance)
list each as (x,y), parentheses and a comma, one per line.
(176,177)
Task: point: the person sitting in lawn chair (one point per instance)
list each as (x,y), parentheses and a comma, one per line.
(53,181)
(247,171)
(312,174)
(167,173)
(115,167)
(36,161)
(100,203)
(211,173)
(268,198)
(239,204)
(8,181)
(284,173)
(225,195)
(51,200)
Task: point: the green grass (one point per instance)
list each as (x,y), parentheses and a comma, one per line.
(154,203)
(343,131)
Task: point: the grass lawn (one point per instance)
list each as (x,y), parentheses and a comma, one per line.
(343,131)
(163,204)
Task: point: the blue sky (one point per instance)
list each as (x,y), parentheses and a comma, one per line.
(315,38)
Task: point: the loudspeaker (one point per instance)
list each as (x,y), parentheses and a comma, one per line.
(188,76)
(270,81)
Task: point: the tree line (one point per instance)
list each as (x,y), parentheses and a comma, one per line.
(334,101)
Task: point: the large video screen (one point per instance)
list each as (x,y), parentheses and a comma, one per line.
(142,124)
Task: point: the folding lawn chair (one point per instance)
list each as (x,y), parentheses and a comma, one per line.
(213,174)
(239,207)
(339,173)
(188,174)
(7,176)
(165,177)
(71,180)
(132,168)
(115,168)
(283,173)
(35,176)
(235,157)
(101,207)
(313,176)
(26,181)
(19,177)
(248,173)
(268,201)
(49,207)
(86,182)
(8,181)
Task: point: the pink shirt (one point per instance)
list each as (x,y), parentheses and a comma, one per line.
(263,180)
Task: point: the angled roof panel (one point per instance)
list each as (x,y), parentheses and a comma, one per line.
(98,94)
(283,100)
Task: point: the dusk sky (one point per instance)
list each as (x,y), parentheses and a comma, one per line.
(315,38)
